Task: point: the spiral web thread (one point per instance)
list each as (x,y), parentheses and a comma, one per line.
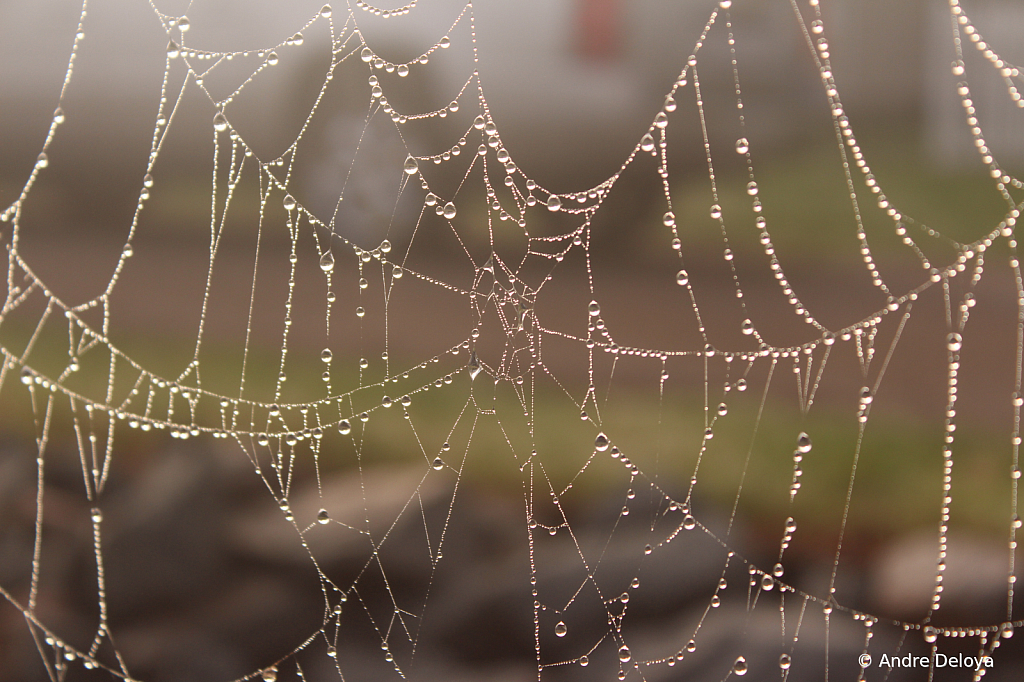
(276,434)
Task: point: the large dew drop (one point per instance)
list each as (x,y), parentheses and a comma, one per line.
(647,142)
(594,309)
(624,654)
(327,261)
(411,166)
(953,342)
(288,202)
(740,666)
(474,365)
(601,442)
(323,518)
(716,211)
(220,122)
(449,210)
(742,146)
(560,629)
(785,661)
(554,202)
(803,444)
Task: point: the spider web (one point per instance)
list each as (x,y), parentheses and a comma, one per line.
(497,420)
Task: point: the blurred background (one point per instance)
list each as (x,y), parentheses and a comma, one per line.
(206,578)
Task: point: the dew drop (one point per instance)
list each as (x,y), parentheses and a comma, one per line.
(661,120)
(397,272)
(438,464)
(288,202)
(747,327)
(953,342)
(270,674)
(42,161)
(560,629)
(601,442)
(220,122)
(682,278)
(344,427)
(444,43)
(785,661)
(803,444)
(752,188)
(723,409)
(689,523)
(647,142)
(474,365)
(449,210)
(1006,630)
(326,355)
(624,654)
(669,219)
(691,646)
(716,211)
(322,517)
(58,115)
(327,261)
(326,11)
(584,661)
(767,583)
(777,571)
(930,634)
(740,666)
(366,54)
(173,50)
(402,70)
(411,165)
(554,202)
(272,59)
(594,309)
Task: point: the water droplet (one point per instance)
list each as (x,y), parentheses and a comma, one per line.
(270,674)
(777,571)
(716,211)
(958,67)
(385,246)
(725,4)
(438,464)
(689,523)
(803,444)
(173,50)
(183,23)
(332,652)
(790,525)
(272,59)
(97,515)
(930,634)
(691,646)
(584,661)
(624,654)
(449,210)
(953,342)
(594,309)
(752,188)
(670,103)
(742,146)
(397,272)
(647,142)
(297,39)
(740,666)
(58,115)
(42,161)
(444,43)
(723,409)
(601,442)
(327,261)
(767,583)
(326,11)
(411,165)
(747,327)
(785,661)
(288,202)
(474,365)
(366,54)
(554,202)
(326,355)
(322,517)
(661,120)
(344,427)
(1006,630)
(682,278)
(402,70)
(560,629)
